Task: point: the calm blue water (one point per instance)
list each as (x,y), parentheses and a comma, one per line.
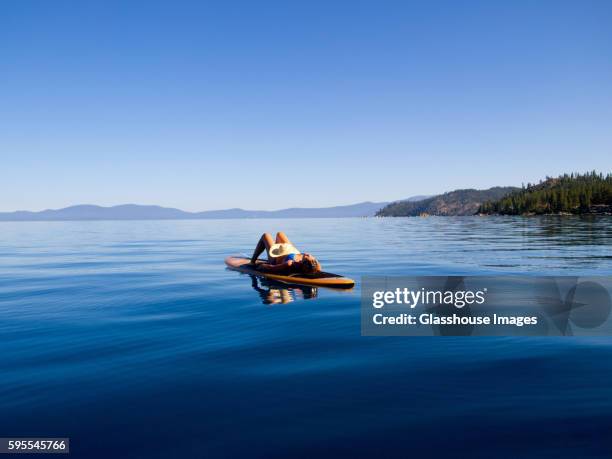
(134,340)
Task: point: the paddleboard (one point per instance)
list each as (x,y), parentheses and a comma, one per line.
(321,279)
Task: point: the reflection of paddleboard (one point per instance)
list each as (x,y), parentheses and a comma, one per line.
(321,279)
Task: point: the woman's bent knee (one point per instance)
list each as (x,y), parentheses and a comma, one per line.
(267,238)
(281,237)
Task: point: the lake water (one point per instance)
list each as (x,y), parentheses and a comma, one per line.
(132,339)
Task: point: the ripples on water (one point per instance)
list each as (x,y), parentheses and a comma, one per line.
(134,340)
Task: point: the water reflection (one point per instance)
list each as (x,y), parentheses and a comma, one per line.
(272,292)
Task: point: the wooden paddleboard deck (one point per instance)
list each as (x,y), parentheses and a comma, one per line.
(321,279)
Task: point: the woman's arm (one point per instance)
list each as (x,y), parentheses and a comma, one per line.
(268,268)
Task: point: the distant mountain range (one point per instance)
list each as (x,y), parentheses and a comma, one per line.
(458,202)
(139,212)
(575,193)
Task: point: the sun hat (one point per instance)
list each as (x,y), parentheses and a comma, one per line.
(282,249)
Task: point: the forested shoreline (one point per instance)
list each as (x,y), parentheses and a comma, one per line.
(574,194)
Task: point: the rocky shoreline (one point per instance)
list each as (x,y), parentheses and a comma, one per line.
(597,209)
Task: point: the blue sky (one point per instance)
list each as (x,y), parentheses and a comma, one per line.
(203,105)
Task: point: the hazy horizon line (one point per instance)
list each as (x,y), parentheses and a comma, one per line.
(211,210)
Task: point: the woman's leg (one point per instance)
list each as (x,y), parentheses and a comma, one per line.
(265,241)
(281,238)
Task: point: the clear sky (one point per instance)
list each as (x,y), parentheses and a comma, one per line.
(263,105)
